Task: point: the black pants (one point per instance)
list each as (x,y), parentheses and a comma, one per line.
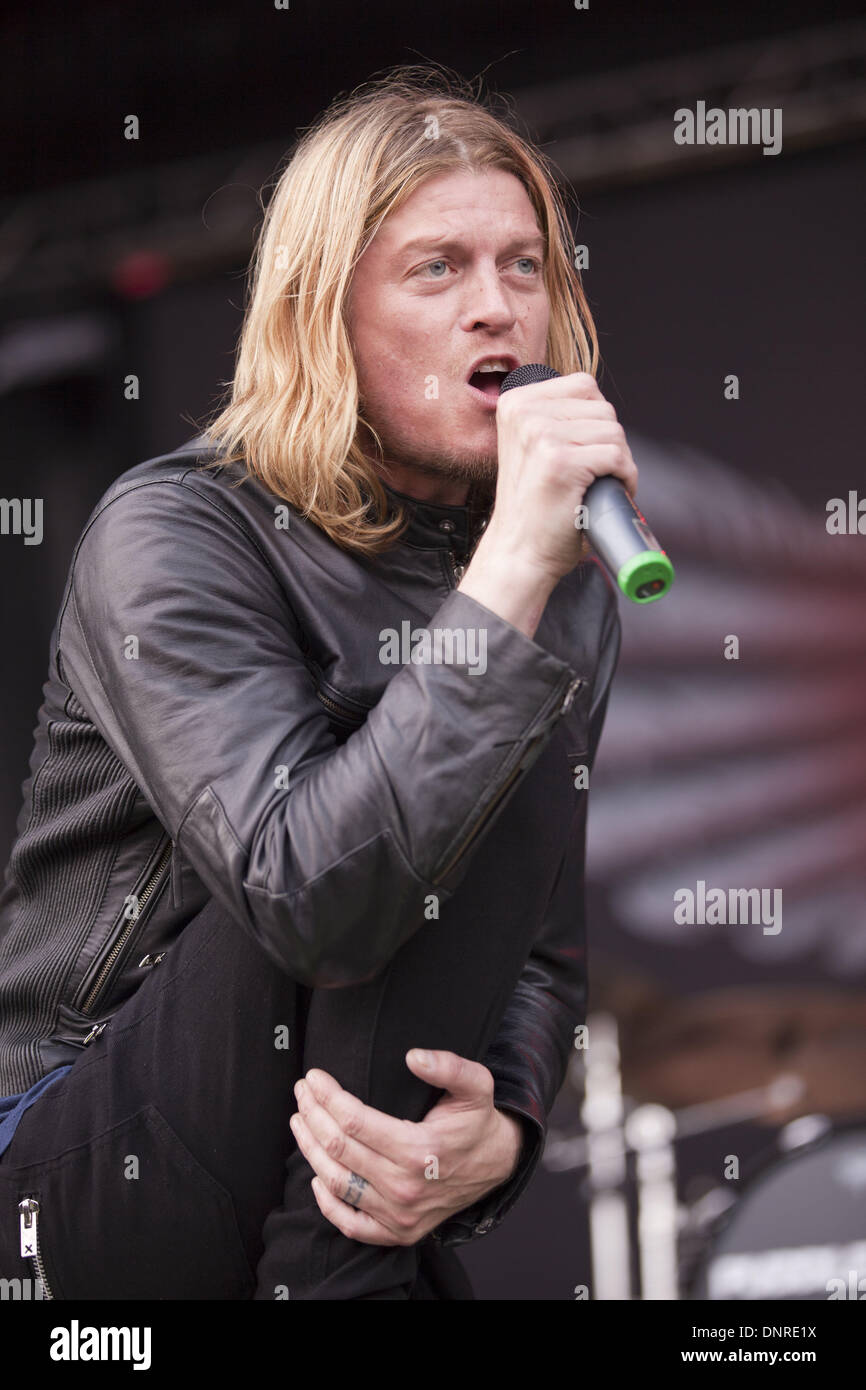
(157,1159)
(163,1162)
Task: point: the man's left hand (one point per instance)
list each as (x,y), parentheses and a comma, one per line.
(385,1181)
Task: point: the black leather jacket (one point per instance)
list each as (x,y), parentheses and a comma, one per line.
(218,721)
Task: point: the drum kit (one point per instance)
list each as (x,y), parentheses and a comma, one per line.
(787,1222)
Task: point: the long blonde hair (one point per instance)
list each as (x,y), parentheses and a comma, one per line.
(293,411)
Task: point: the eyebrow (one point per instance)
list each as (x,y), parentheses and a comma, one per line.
(446,243)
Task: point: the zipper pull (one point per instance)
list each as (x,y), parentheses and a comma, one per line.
(459,570)
(28,1208)
(559,710)
(568,698)
(94,1032)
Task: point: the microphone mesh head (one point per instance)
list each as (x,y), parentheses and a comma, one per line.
(525,376)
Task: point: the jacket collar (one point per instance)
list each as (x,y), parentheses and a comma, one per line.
(432,524)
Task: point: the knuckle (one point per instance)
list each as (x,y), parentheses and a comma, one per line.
(484,1084)
(352,1124)
(405,1192)
(335,1146)
(457,1069)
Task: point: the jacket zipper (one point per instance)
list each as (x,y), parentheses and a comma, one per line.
(562,709)
(28,1212)
(107,965)
(479,826)
(344,715)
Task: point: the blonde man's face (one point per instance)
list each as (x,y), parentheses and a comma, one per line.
(421,315)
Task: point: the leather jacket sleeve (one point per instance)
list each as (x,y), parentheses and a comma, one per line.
(530,1053)
(181,644)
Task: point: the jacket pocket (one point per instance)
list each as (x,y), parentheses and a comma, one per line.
(72,1029)
(127,928)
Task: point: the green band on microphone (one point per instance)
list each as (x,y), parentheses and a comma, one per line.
(646,576)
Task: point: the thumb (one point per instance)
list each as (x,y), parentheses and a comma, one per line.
(460,1076)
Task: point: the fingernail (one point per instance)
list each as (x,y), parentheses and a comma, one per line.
(422,1058)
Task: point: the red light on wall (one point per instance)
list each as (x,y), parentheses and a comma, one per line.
(141,274)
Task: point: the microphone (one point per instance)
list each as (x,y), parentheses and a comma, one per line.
(617,531)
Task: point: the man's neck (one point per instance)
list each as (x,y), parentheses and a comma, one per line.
(425,487)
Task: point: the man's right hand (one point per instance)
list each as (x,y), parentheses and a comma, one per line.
(554,439)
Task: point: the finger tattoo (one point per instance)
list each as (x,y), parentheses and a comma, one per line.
(354,1189)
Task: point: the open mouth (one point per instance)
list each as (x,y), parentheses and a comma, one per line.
(488,382)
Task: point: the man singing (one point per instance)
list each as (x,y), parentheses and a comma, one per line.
(308,789)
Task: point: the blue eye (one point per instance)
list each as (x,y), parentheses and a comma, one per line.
(535,266)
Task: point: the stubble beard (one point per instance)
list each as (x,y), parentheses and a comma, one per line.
(480,469)
(476,467)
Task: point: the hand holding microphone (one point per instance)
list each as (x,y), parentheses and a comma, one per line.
(544,481)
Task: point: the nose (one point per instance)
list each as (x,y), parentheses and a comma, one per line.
(488,302)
